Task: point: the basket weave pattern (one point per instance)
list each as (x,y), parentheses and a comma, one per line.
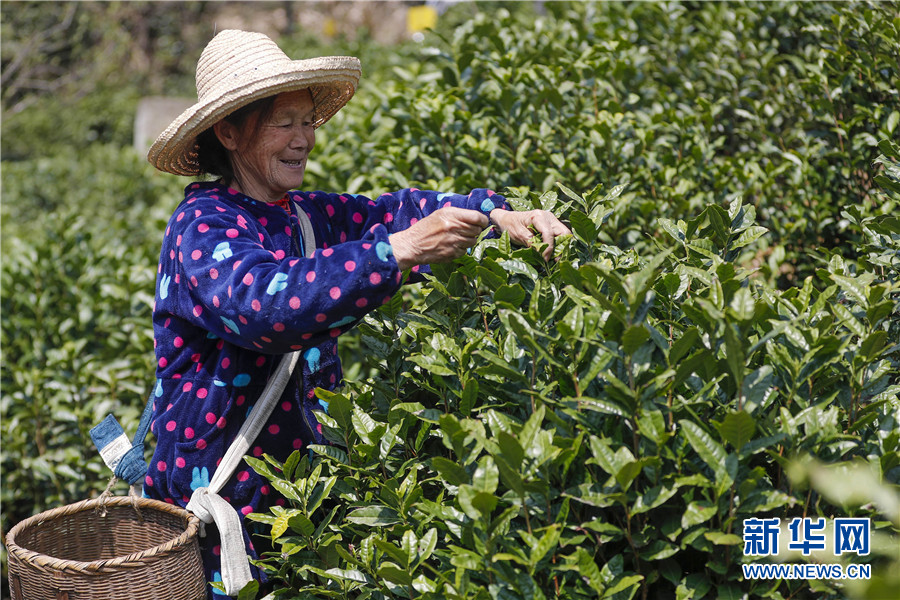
(139,548)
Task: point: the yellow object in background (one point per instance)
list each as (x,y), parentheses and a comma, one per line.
(420,18)
(330,28)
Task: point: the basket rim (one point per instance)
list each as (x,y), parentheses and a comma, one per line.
(133,560)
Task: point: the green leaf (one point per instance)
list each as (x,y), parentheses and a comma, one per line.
(511,296)
(707,449)
(394,574)
(486,476)
(698,512)
(873,344)
(331,452)
(737,428)
(375,515)
(633,338)
(449,470)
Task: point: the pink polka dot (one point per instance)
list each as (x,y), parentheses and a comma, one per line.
(279,254)
(357,218)
(161,466)
(447,205)
(243,476)
(335,293)
(334,332)
(181,257)
(232,233)
(148,482)
(386,300)
(350,265)
(311,276)
(196,254)
(264,490)
(321,317)
(286,406)
(240,400)
(388,217)
(274,429)
(422,203)
(201,444)
(257,451)
(172,254)
(202,392)
(226,362)
(216,301)
(243,319)
(248,279)
(263,221)
(163,362)
(202,227)
(180,216)
(294,302)
(178,240)
(327,251)
(193,281)
(221,423)
(210,418)
(375,278)
(413,221)
(256,305)
(213,274)
(171,425)
(343,237)
(361,302)
(189,433)
(330,210)
(198,310)
(278,326)
(178,342)
(187,386)
(179,462)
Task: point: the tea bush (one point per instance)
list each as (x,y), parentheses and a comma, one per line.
(596,426)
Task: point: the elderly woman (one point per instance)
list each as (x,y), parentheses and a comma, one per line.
(251,270)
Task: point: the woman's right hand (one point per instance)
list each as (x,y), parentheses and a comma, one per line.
(440,237)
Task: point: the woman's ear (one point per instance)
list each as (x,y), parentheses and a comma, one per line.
(227,134)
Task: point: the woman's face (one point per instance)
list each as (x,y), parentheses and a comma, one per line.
(270,159)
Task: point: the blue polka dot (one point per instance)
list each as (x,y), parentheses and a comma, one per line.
(313,357)
(344,321)
(323,404)
(487,205)
(231,325)
(159,390)
(383,250)
(241,380)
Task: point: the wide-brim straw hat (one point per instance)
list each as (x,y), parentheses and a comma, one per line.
(240,67)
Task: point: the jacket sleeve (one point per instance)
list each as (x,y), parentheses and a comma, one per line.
(238,289)
(354,216)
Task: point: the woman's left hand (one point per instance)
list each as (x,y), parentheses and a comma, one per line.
(517,224)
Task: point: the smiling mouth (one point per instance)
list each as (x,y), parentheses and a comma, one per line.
(292,163)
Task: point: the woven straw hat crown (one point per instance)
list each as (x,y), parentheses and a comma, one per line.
(237,68)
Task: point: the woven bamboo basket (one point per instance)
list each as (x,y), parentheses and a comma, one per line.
(107,548)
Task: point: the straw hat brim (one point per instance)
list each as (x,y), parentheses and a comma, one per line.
(332,81)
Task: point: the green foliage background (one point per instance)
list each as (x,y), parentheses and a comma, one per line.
(596,426)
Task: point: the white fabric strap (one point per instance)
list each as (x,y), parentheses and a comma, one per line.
(210,507)
(205,502)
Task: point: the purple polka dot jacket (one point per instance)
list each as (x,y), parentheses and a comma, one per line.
(234,293)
